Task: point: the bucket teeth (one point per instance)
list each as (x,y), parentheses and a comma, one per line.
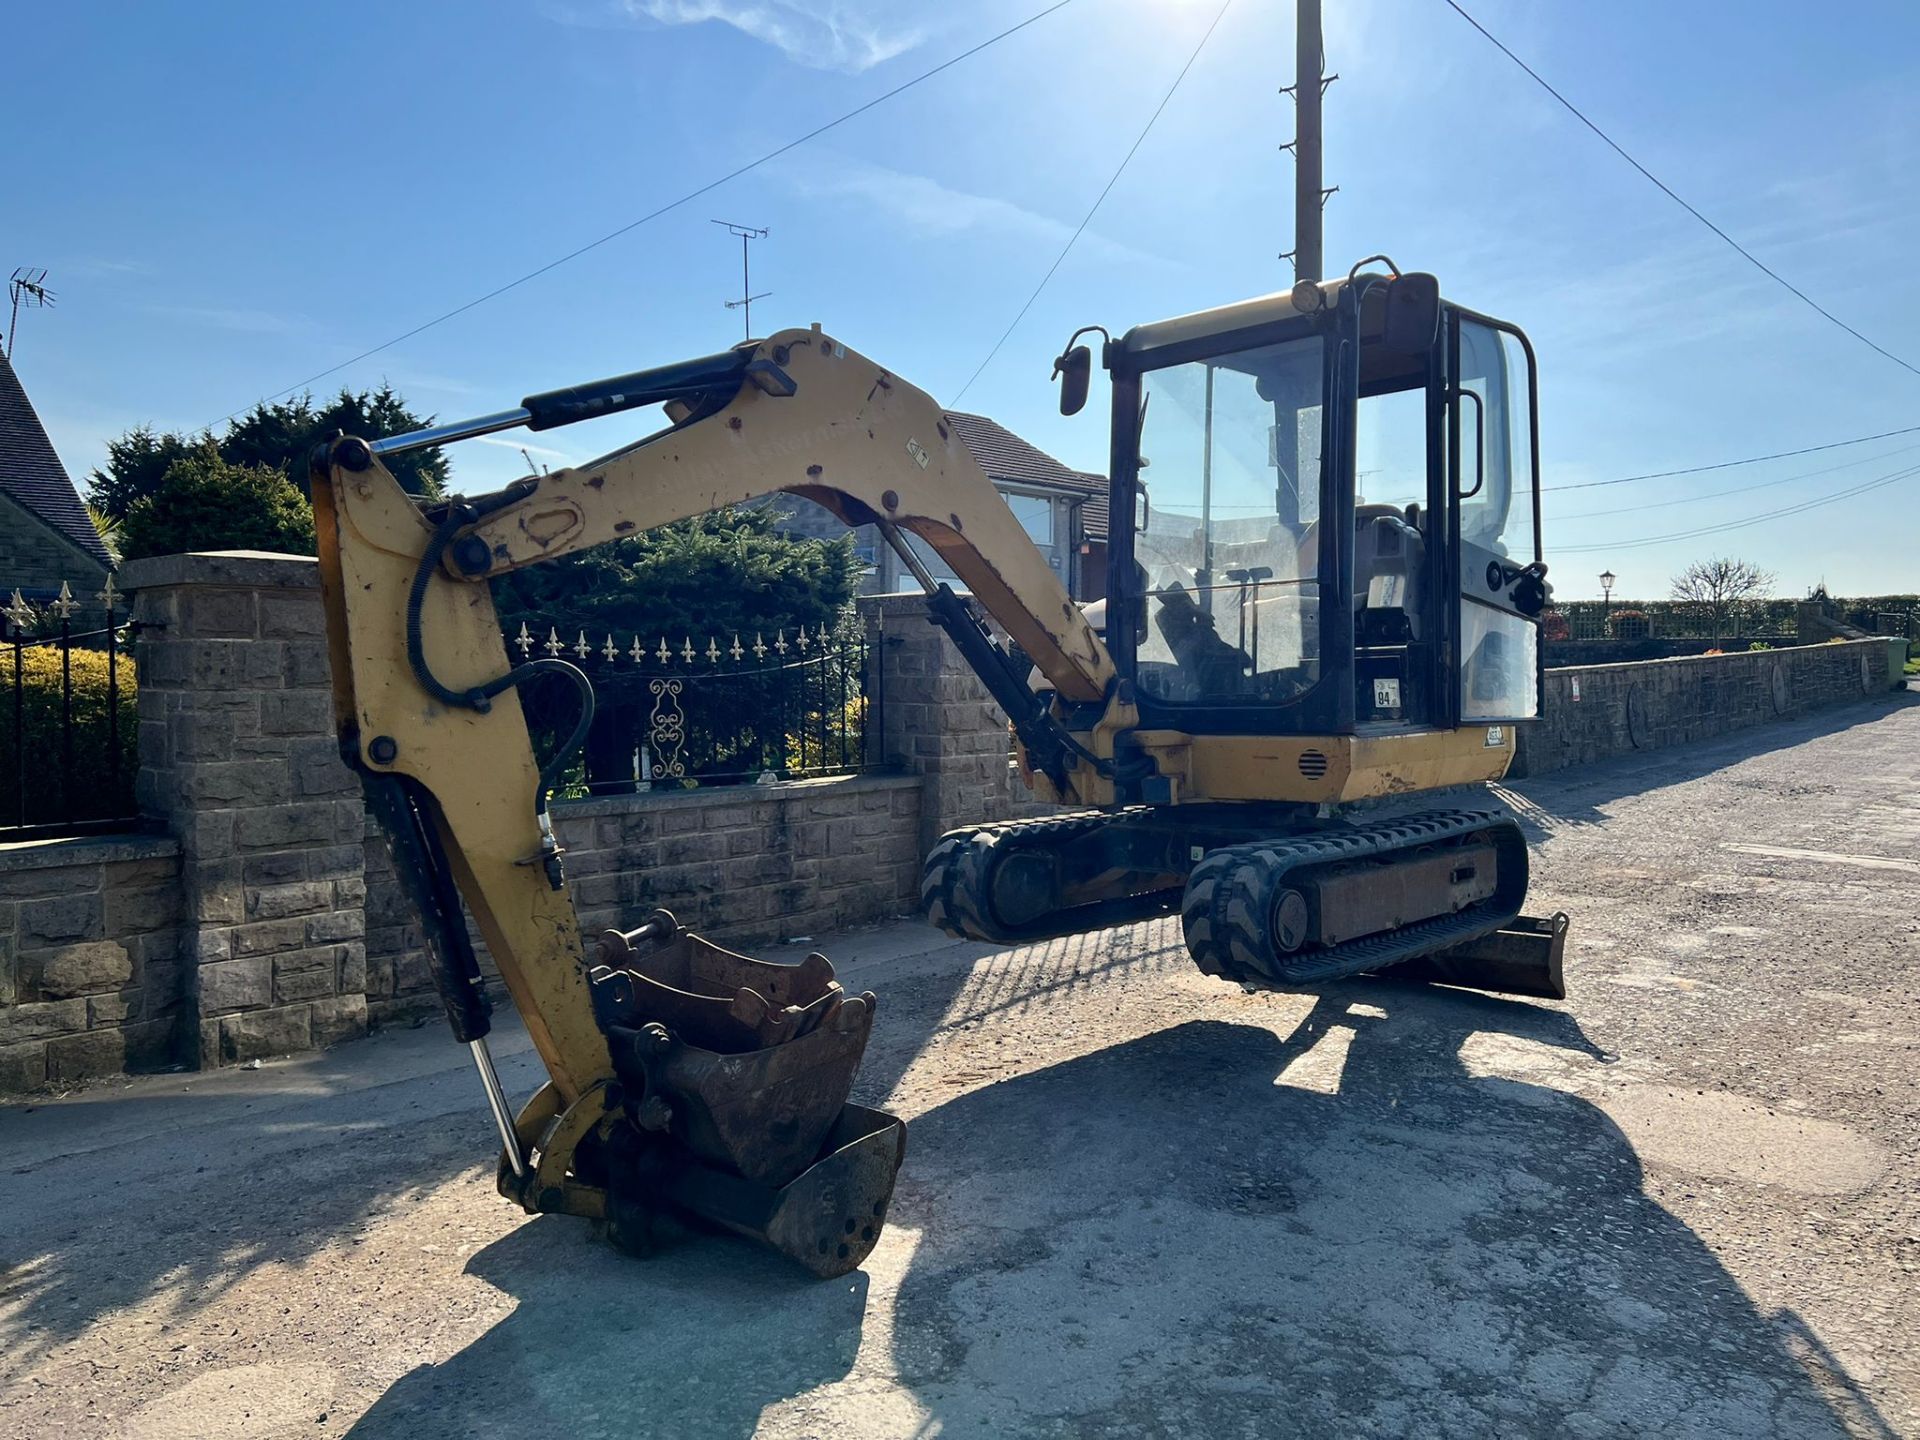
(829,1216)
(736,1075)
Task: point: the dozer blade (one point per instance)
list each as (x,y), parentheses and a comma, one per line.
(1523,957)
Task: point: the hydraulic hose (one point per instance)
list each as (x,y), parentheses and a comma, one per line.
(480,698)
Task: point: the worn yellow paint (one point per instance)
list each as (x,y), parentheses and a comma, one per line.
(1358,767)
(479,768)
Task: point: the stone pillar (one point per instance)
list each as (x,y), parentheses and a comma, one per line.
(238,761)
(939,721)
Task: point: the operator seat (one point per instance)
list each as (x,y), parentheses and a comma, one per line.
(1389,561)
(1389,565)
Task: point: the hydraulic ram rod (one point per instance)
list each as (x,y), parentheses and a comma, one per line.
(497,1101)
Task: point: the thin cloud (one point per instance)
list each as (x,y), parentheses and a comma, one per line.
(819,34)
(95,265)
(926,206)
(245,322)
(408,380)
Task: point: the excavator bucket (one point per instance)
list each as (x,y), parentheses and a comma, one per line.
(736,1074)
(829,1216)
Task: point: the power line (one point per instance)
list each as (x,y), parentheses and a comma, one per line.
(1738,489)
(1087,219)
(1730,464)
(1668,191)
(1721,529)
(667,208)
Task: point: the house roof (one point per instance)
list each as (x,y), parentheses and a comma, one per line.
(31,473)
(1007,458)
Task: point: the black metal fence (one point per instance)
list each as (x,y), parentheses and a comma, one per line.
(1903,623)
(1671,620)
(69,731)
(718,711)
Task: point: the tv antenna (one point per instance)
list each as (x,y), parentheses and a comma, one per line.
(748,234)
(28,286)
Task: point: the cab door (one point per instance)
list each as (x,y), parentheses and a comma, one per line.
(1493,522)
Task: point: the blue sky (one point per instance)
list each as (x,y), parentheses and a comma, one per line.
(230,198)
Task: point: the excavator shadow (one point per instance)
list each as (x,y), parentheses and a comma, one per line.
(1213,1230)
(695,1342)
(1357,1228)
(700,1340)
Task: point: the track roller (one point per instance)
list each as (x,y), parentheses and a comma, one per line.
(1056,875)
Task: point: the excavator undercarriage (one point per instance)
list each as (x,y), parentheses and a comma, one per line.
(1282,729)
(1266,898)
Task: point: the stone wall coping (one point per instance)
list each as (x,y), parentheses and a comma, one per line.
(84,850)
(893,598)
(1710,659)
(903,602)
(731,795)
(262,569)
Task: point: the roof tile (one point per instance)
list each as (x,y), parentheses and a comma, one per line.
(1006,457)
(31,473)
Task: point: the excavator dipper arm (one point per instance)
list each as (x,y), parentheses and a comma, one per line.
(427,710)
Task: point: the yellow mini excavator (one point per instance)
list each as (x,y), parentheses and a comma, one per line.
(1319,633)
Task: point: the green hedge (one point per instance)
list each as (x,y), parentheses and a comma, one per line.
(94,795)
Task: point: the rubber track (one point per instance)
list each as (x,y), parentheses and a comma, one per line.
(1226,911)
(956,880)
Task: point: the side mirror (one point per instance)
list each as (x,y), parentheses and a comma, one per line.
(1074,371)
(1413,313)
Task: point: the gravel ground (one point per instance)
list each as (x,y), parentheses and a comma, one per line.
(1136,1201)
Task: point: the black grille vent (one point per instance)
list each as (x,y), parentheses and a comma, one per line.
(1313,764)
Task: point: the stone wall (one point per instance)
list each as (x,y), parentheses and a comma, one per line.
(259,914)
(1595,712)
(90,980)
(238,762)
(938,719)
(1566,654)
(744,864)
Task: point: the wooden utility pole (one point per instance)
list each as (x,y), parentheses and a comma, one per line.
(1309,196)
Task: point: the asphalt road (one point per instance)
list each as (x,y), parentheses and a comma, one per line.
(1136,1201)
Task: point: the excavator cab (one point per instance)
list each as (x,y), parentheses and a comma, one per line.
(1326,516)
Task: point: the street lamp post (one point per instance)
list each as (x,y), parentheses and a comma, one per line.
(1607,577)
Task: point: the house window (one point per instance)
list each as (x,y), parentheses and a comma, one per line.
(930,558)
(1035,514)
